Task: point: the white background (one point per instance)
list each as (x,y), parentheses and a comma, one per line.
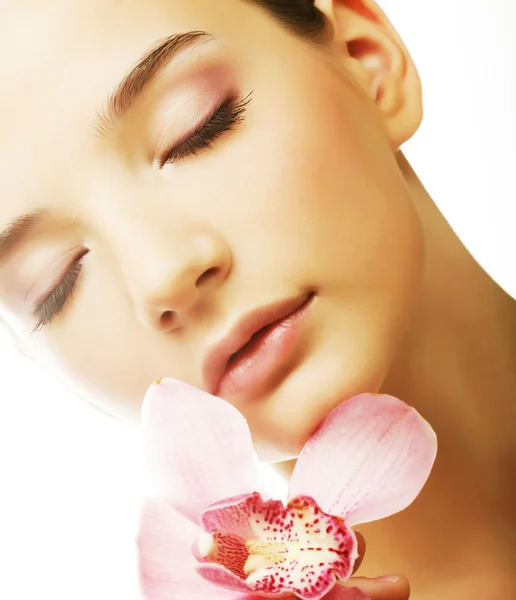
(71,479)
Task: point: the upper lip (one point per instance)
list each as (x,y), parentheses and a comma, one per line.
(218,355)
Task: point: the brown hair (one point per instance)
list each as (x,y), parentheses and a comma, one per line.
(301,16)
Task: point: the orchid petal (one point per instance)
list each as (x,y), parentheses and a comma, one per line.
(279,550)
(310,550)
(218,575)
(369,459)
(230,516)
(198,447)
(166,560)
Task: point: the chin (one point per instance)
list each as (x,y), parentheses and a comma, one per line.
(292,415)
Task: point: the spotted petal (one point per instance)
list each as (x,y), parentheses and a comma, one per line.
(369,459)
(219,576)
(276,550)
(198,447)
(231,515)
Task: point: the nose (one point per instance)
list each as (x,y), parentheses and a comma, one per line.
(171,273)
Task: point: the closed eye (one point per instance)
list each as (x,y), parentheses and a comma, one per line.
(229,114)
(56,300)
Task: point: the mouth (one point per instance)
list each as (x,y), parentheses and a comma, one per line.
(256,347)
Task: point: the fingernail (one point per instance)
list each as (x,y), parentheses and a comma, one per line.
(388,578)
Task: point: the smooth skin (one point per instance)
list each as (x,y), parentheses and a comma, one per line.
(309,191)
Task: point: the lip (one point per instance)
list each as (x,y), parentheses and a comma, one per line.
(218,357)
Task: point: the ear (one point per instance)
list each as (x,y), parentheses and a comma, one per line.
(369,46)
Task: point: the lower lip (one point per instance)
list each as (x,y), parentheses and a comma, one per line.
(266,354)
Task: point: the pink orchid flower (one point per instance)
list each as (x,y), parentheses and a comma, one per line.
(211,533)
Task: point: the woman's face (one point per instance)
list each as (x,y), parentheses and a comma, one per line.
(302,195)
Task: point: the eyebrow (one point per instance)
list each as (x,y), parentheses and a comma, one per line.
(118,104)
(18,229)
(130,88)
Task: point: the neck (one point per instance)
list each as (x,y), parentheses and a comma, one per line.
(457,366)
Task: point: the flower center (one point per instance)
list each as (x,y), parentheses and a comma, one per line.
(297,549)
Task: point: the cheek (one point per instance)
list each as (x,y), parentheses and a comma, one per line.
(327,186)
(102,350)
(97,365)
(336,214)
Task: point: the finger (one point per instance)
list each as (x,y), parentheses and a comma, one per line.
(387,587)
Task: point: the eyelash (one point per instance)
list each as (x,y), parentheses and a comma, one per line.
(229,113)
(56,300)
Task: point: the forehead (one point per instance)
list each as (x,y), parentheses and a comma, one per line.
(58,42)
(60,59)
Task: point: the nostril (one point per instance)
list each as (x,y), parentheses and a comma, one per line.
(166,318)
(206,275)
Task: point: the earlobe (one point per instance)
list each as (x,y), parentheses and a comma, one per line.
(372,50)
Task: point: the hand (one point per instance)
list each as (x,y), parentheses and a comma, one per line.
(387,587)
(395,588)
